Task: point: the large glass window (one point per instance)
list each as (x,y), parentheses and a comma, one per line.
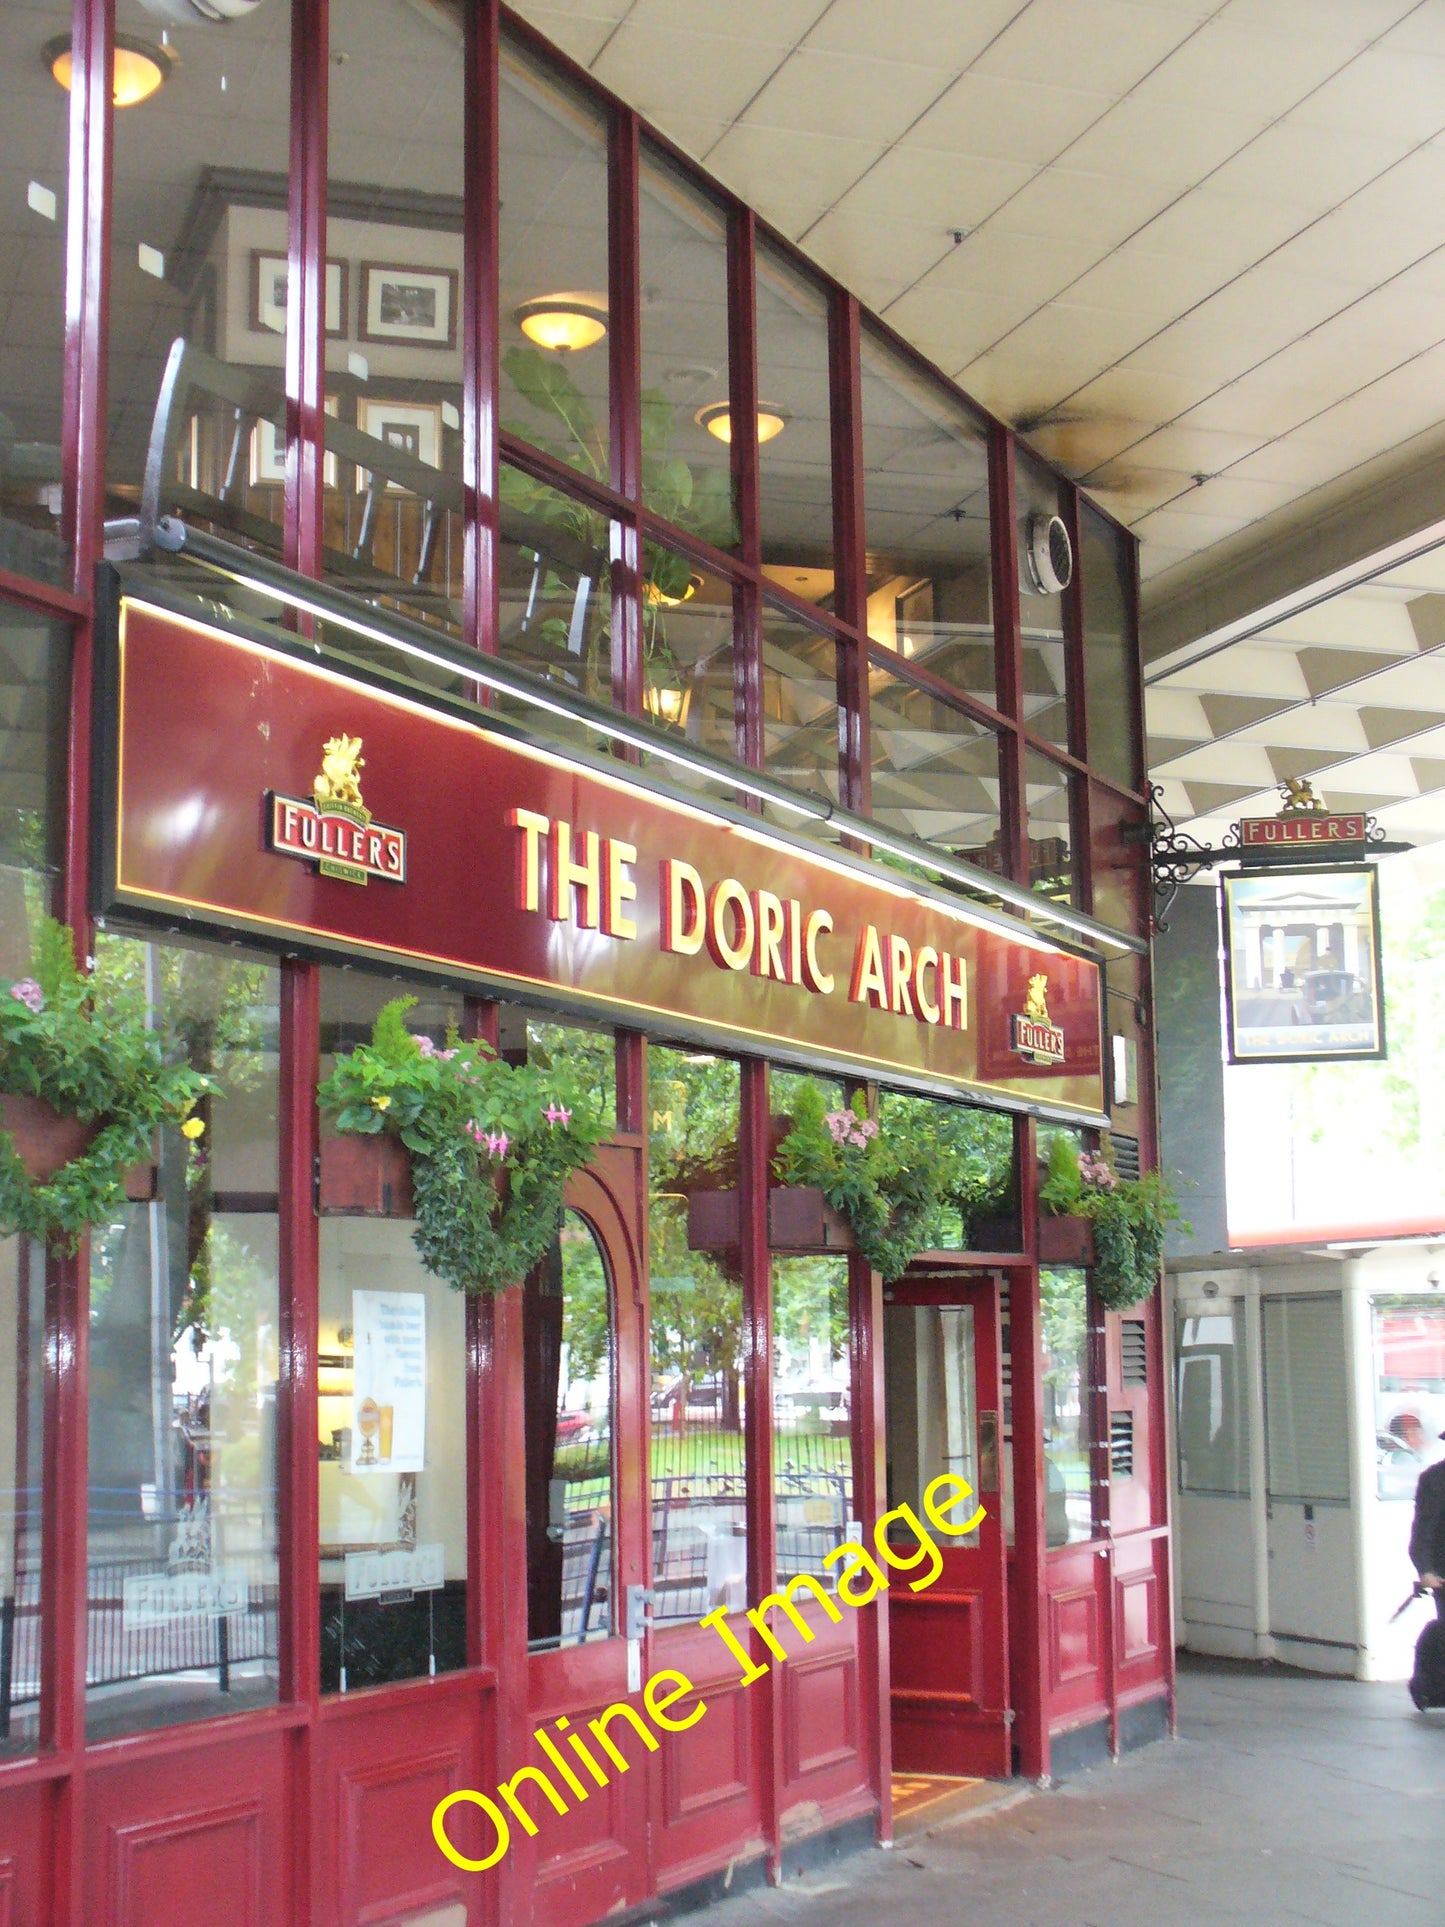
(926,498)
(801,712)
(553,266)
(1306,1406)
(699,1480)
(1067,1426)
(1049,789)
(795,446)
(392,1445)
(199,241)
(686,466)
(972,1149)
(33,174)
(395,269)
(1212,1392)
(555,577)
(687,652)
(935,772)
(1109,669)
(184,1329)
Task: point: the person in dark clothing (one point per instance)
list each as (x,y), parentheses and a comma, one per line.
(1427,1534)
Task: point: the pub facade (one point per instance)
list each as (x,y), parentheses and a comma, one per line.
(450,549)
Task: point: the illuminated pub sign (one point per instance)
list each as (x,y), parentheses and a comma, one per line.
(256,790)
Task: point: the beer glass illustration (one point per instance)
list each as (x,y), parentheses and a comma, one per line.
(387,1417)
(368,1423)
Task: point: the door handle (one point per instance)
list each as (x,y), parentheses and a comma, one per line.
(638,1618)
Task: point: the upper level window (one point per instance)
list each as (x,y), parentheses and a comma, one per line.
(1041,603)
(32,293)
(1109,668)
(795,450)
(686,460)
(553,267)
(925,464)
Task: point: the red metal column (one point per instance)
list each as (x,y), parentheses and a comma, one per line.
(850,542)
(1008,641)
(624,317)
(758,1434)
(297,1424)
(481,341)
(870,1487)
(743,408)
(306,257)
(1081,835)
(1031,1604)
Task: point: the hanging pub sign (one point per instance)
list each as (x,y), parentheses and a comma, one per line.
(1302,964)
(508,866)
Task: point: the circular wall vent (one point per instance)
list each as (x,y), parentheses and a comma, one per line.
(195,13)
(1048,555)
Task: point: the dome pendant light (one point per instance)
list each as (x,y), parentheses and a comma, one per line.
(140,66)
(563,322)
(717,419)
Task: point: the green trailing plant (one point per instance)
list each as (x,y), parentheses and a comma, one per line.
(700,503)
(491,1143)
(1130,1217)
(96,1062)
(888,1183)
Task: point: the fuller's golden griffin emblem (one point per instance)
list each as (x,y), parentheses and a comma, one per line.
(1036,1008)
(341,767)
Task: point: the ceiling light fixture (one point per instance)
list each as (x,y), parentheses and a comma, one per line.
(140,66)
(717,419)
(652,592)
(564,322)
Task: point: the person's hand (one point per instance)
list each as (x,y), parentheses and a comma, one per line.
(1431,1581)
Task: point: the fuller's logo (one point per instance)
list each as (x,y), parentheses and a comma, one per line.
(1031,1033)
(332,827)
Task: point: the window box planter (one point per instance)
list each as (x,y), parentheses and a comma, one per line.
(365,1177)
(995,1234)
(799,1219)
(45,1139)
(1066,1241)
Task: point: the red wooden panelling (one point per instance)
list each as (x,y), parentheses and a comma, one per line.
(1074,1635)
(1138,1617)
(820,1727)
(938,1644)
(210,1859)
(389,1862)
(27,1844)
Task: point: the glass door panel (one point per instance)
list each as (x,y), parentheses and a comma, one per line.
(932,1401)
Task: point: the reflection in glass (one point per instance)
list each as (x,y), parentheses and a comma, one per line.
(553,243)
(556,596)
(1108,651)
(926,499)
(391,1417)
(588,1051)
(801,712)
(394,353)
(1409,1345)
(1069,1513)
(1049,791)
(795,461)
(687,652)
(686,471)
(1211,1388)
(179,175)
(34,170)
(935,772)
(812,1411)
(699,1482)
(567,1346)
(184,1326)
(928,1363)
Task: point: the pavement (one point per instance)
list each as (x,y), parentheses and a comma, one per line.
(1286,1798)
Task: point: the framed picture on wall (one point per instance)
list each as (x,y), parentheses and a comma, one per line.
(268,295)
(412,427)
(413,305)
(268,453)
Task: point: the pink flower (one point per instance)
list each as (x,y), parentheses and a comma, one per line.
(29,993)
(425,1046)
(497,1144)
(555,1114)
(840,1125)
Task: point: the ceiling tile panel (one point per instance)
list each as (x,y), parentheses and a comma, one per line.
(1109,45)
(953,36)
(814,92)
(1380,88)
(1018,120)
(929,188)
(1181,148)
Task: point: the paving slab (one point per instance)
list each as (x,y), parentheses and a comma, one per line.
(1286,1798)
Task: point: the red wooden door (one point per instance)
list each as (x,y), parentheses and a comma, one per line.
(587,1526)
(944,1415)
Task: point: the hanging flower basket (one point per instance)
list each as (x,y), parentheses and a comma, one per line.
(800,1219)
(84,1090)
(490,1146)
(1126,1220)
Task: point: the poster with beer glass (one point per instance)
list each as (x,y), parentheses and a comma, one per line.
(388,1420)
(1302,965)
